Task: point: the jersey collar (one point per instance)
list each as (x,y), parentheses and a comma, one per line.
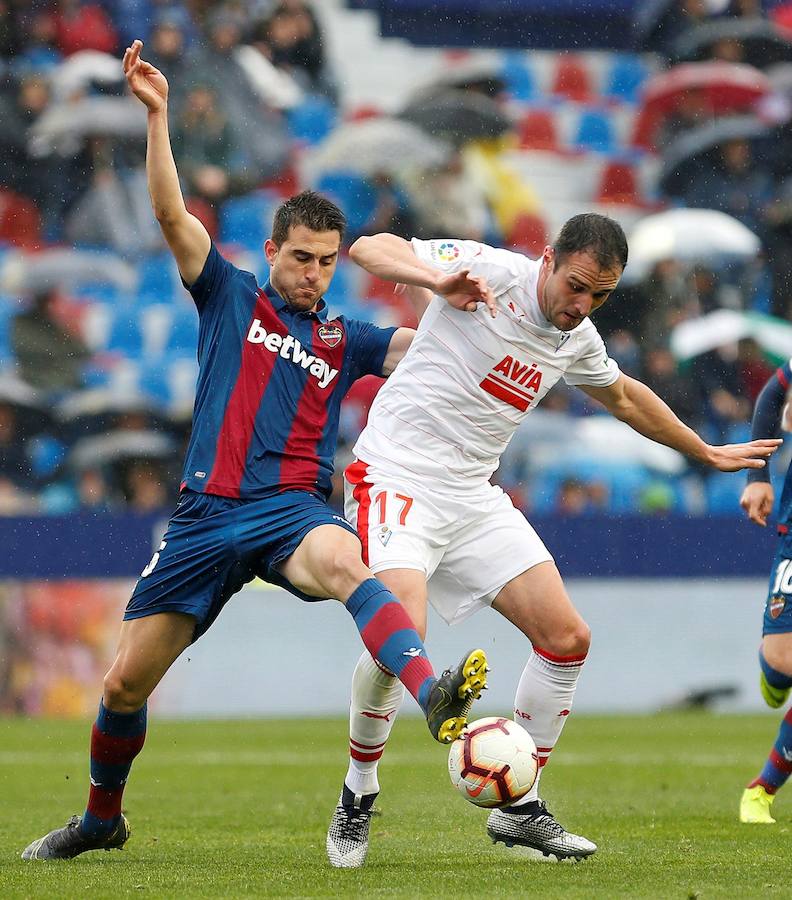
(281,305)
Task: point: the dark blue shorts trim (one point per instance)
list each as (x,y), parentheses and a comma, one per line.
(215,545)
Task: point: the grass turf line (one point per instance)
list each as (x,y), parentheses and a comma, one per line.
(240,809)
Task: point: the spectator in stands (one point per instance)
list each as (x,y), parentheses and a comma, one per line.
(392,212)
(49,356)
(10,30)
(143,486)
(203,146)
(83,25)
(166,47)
(291,38)
(737,186)
(718,377)
(754,370)
(16,477)
(259,131)
(660,373)
(39,51)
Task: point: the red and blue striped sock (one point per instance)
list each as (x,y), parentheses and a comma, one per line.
(390,637)
(116,739)
(779,764)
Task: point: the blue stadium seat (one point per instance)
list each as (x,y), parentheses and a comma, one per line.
(158,278)
(247,220)
(8,309)
(626,78)
(183,339)
(595,132)
(154,383)
(312,120)
(723,492)
(519,79)
(353,194)
(125,335)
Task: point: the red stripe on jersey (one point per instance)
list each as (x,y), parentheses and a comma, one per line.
(503,393)
(300,461)
(782,378)
(783,529)
(236,432)
(355,474)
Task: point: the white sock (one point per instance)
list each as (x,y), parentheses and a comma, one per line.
(543,702)
(376,697)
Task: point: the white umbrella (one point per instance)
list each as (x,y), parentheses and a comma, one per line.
(377,145)
(609,440)
(64,126)
(33,272)
(725,326)
(688,235)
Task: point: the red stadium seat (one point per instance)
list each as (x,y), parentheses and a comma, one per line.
(528,235)
(20,223)
(618,184)
(537,131)
(572,79)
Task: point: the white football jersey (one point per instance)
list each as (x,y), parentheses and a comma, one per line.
(468,380)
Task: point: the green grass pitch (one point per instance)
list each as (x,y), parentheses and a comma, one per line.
(240,809)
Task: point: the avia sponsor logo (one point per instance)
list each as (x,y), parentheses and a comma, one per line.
(514,382)
(290,348)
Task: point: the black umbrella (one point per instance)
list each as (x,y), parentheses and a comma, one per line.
(457,116)
(763,43)
(685,156)
(97,411)
(656,22)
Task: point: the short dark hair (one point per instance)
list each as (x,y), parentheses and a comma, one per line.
(309,209)
(598,235)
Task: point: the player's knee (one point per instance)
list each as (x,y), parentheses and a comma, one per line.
(121,695)
(345,569)
(574,640)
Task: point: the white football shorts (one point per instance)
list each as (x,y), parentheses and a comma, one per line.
(468,546)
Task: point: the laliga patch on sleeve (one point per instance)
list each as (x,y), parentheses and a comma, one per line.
(446,252)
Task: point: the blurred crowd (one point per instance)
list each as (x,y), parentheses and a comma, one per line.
(257,112)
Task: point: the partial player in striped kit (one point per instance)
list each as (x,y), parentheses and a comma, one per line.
(420,496)
(273,371)
(775,651)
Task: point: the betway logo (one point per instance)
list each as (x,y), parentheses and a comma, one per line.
(290,348)
(514,382)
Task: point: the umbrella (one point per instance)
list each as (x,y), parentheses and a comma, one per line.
(725,326)
(373,146)
(690,235)
(470,74)
(650,17)
(31,273)
(64,126)
(684,156)
(82,69)
(764,44)
(457,116)
(724,87)
(121,446)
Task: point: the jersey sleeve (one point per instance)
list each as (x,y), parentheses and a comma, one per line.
(500,268)
(368,346)
(593,366)
(214,277)
(768,412)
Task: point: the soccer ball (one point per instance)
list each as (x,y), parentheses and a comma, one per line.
(493,762)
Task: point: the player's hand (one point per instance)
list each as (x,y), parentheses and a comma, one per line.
(147,83)
(752,455)
(757,501)
(465,291)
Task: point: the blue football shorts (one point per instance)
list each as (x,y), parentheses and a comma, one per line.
(215,545)
(778,608)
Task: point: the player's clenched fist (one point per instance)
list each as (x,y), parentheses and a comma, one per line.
(146,82)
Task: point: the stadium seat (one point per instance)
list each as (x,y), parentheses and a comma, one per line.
(572,79)
(183,338)
(20,223)
(353,194)
(125,335)
(528,235)
(312,120)
(626,78)
(518,77)
(595,132)
(723,492)
(618,184)
(247,220)
(537,130)
(158,278)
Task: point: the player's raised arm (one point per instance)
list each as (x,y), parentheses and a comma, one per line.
(186,236)
(634,403)
(393,259)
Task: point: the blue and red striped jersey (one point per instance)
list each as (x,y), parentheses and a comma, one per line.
(270,385)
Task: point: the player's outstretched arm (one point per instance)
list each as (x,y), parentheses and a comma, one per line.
(393,259)
(186,236)
(634,403)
